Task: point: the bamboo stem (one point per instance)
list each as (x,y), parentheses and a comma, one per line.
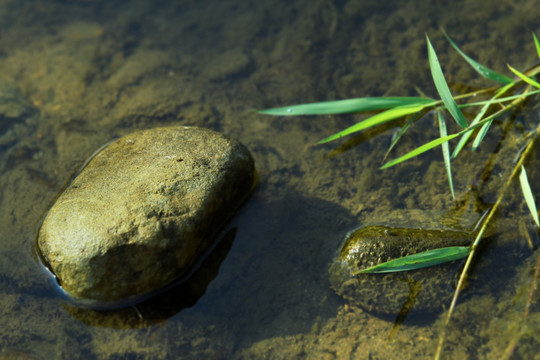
(474,246)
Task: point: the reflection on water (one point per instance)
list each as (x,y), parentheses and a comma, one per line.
(76,75)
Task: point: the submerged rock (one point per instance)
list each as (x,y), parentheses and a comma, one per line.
(143,211)
(425,290)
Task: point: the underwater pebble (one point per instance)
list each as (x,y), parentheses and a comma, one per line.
(427,290)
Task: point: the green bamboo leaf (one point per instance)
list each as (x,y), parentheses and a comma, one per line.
(446,152)
(346,106)
(486,123)
(537,43)
(477,119)
(377,119)
(422,149)
(467,135)
(481,69)
(481,134)
(527,194)
(506,88)
(402,131)
(442,87)
(419,260)
(524,77)
(430,145)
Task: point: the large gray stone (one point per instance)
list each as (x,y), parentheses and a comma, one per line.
(142,211)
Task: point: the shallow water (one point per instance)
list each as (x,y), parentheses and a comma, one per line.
(76,75)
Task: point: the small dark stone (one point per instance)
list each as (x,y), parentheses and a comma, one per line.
(425,290)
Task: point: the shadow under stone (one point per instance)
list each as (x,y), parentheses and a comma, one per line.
(164,304)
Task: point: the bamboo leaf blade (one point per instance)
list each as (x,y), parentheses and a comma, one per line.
(479,117)
(467,135)
(489,120)
(481,134)
(524,77)
(377,119)
(420,260)
(442,87)
(434,143)
(527,194)
(346,106)
(481,69)
(505,88)
(420,150)
(446,152)
(401,132)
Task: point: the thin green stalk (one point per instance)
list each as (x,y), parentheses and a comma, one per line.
(474,247)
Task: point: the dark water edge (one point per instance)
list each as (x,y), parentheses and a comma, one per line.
(78,74)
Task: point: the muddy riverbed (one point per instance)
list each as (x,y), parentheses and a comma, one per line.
(77,75)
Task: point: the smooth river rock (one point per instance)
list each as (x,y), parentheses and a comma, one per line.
(142,211)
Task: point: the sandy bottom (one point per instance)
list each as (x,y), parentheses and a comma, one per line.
(76,75)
